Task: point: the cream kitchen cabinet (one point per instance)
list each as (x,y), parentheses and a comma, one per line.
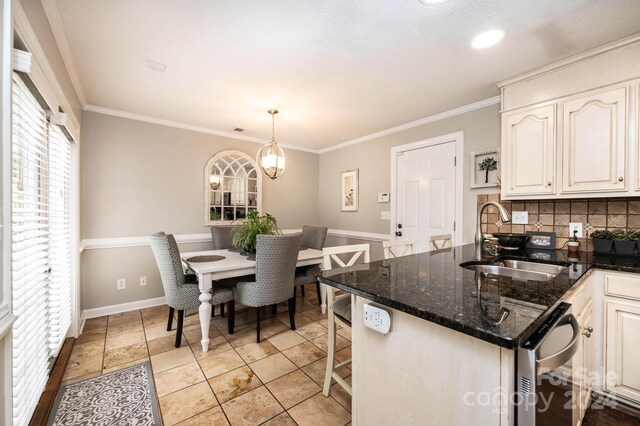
(594,131)
(622,369)
(529,148)
(579,121)
(589,134)
(584,367)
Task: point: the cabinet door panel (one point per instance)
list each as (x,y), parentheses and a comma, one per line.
(623,347)
(594,142)
(529,149)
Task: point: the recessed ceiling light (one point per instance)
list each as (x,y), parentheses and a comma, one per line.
(432,2)
(156,66)
(487,39)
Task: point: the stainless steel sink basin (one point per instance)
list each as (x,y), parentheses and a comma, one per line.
(518,274)
(531,266)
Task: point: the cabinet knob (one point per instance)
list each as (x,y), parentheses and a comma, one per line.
(548,183)
(587,332)
(620,179)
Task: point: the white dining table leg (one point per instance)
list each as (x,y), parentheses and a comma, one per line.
(323,297)
(205,309)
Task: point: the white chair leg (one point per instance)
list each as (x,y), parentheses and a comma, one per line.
(331,343)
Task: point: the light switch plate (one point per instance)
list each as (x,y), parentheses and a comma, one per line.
(520,218)
(377,319)
(386,215)
(383,197)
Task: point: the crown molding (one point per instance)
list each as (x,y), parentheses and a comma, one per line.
(571,60)
(184,126)
(450,113)
(51,10)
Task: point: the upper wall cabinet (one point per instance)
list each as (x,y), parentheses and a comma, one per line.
(583,112)
(594,142)
(232,187)
(528,151)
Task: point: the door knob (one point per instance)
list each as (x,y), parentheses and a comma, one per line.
(398,233)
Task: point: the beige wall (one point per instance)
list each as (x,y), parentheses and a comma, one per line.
(40,24)
(139,178)
(481,131)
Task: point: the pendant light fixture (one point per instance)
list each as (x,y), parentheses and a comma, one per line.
(270,156)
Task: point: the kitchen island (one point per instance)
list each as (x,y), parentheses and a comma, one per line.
(449,358)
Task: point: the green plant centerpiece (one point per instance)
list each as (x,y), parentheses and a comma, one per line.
(625,242)
(602,241)
(245,238)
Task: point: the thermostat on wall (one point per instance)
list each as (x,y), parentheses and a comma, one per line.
(383,197)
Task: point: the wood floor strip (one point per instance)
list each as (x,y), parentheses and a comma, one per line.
(48,397)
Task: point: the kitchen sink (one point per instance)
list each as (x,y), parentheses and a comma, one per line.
(517,274)
(531,266)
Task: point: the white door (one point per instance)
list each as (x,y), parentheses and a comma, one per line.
(426,193)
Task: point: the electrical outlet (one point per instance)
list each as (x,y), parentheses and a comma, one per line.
(575,271)
(520,218)
(121,284)
(143,280)
(573,227)
(386,215)
(377,319)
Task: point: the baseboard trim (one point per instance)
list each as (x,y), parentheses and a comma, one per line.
(111,243)
(123,307)
(83,321)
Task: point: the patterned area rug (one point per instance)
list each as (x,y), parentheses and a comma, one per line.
(123,397)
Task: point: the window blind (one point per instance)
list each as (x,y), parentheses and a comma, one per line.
(30,253)
(59,288)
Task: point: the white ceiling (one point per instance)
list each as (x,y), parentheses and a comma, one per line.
(337,70)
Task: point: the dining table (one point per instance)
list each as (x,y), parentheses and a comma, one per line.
(211,265)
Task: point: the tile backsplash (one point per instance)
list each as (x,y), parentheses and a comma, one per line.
(555,215)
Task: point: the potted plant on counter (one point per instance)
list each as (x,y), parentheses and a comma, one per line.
(625,241)
(602,241)
(245,237)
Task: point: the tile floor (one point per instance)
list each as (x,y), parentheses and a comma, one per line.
(238,381)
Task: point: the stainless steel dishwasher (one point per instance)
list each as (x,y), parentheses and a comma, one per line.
(545,391)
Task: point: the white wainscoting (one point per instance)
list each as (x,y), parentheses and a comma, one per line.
(109,243)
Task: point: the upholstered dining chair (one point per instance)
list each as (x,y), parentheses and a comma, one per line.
(339,308)
(312,237)
(276,258)
(180,290)
(398,248)
(222,236)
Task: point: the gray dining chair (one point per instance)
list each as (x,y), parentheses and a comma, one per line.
(276,258)
(312,237)
(181,291)
(222,236)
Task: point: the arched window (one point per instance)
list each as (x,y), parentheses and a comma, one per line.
(233,187)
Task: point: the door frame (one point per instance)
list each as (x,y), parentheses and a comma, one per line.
(458,139)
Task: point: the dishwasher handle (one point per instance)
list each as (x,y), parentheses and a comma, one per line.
(559,358)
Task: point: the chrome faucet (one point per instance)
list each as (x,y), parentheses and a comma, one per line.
(504,217)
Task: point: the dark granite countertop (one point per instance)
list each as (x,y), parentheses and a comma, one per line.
(433,286)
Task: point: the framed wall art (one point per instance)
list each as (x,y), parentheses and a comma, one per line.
(485,168)
(541,240)
(349,190)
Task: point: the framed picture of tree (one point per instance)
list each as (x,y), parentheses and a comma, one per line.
(485,168)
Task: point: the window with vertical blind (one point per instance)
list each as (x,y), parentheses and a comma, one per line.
(41,247)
